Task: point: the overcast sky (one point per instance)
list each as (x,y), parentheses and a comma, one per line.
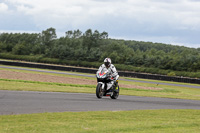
(174,22)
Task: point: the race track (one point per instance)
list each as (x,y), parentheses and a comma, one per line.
(26,102)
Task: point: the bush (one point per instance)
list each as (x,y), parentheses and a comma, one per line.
(171,74)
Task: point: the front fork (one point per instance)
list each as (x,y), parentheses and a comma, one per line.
(104,88)
(102,85)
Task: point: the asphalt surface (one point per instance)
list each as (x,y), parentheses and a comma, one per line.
(26,102)
(86,75)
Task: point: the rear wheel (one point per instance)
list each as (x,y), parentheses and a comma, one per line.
(99,91)
(115,94)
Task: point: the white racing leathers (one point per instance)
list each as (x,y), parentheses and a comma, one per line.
(113,72)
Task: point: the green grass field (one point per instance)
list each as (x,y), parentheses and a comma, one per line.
(140,121)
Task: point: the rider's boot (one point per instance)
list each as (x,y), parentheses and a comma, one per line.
(115,86)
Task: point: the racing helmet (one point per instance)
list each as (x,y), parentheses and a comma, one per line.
(107,62)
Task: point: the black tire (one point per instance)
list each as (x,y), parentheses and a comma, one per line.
(99,91)
(115,94)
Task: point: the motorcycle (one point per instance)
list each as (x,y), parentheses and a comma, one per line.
(105,86)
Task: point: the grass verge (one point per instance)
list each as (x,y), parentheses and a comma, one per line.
(23,85)
(140,121)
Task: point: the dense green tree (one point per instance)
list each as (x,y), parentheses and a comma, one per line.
(47,36)
(20,49)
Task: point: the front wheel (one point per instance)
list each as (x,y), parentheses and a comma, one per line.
(99,91)
(115,94)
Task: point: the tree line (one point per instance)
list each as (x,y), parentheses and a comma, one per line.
(94,46)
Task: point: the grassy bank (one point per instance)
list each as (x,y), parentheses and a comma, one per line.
(167,91)
(140,121)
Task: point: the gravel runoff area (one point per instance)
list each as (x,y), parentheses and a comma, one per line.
(6,74)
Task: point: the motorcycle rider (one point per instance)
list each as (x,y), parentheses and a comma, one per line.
(113,72)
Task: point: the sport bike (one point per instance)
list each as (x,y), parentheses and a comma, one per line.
(106,85)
